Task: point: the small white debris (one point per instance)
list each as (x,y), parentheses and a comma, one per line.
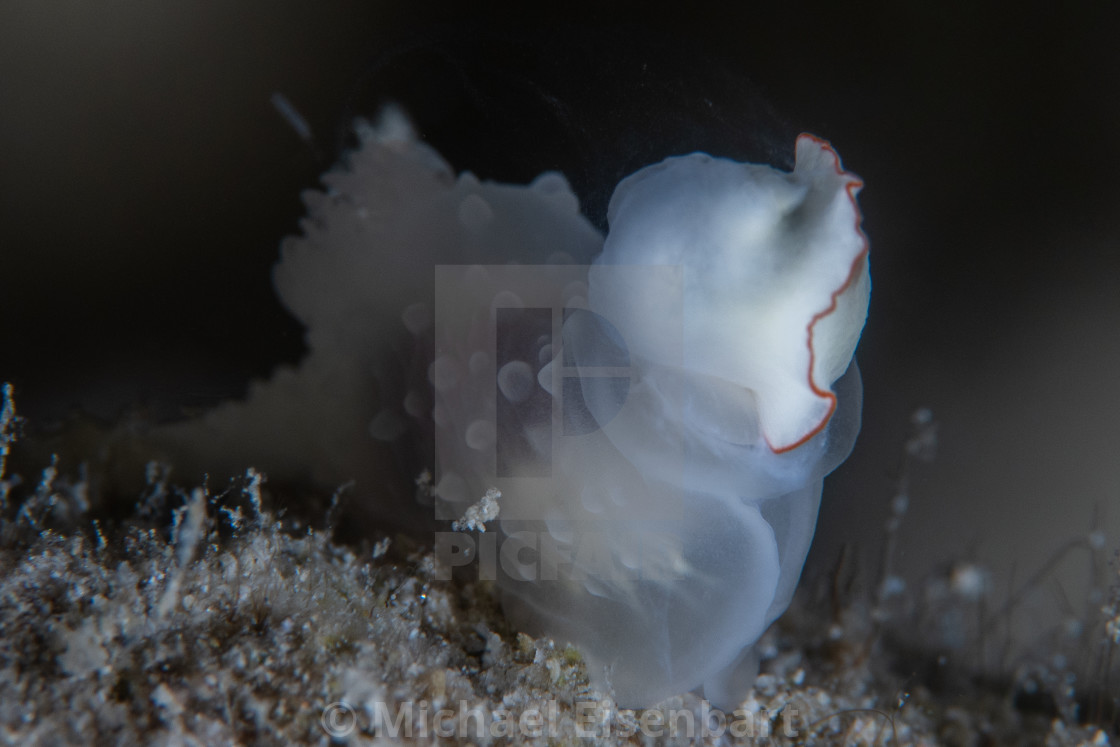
(553,667)
(475,518)
(766,684)
(424,486)
(968,580)
(892,587)
(163,697)
(185,534)
(84,653)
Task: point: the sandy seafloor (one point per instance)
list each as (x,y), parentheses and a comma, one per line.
(205,617)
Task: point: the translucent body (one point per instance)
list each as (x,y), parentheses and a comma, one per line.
(659,547)
(659,424)
(686,417)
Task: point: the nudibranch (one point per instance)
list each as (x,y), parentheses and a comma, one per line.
(658,408)
(661,482)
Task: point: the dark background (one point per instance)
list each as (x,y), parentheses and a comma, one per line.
(146,180)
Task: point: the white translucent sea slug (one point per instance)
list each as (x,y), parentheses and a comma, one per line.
(657,409)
